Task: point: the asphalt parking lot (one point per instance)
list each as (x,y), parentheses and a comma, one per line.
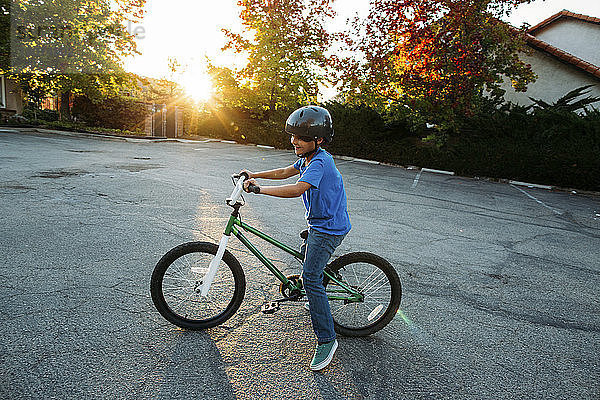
(500,282)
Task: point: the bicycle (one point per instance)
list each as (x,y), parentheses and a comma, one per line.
(199,285)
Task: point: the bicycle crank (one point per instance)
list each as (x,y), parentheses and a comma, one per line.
(291,294)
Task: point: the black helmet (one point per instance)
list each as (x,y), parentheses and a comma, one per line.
(312,121)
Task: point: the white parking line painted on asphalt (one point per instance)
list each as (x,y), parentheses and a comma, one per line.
(414,185)
(435,171)
(262,146)
(558,212)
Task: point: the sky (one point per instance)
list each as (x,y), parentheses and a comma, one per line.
(190,31)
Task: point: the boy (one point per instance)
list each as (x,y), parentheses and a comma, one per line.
(324,197)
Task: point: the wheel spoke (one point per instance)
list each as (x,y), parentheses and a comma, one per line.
(374,281)
(374,288)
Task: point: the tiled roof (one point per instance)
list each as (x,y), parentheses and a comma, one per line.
(559,15)
(562,55)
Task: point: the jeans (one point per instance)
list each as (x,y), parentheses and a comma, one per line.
(317,250)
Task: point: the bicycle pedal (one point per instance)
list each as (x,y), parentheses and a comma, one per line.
(270,307)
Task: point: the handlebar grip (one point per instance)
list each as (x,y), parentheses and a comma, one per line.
(254,189)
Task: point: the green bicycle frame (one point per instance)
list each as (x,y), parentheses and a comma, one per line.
(351,294)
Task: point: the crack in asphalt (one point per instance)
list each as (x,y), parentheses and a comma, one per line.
(539,319)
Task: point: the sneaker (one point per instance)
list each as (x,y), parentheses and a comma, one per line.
(306,306)
(323,355)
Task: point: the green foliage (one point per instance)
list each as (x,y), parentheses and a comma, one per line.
(552,148)
(160,91)
(33,114)
(68,46)
(285,43)
(71,36)
(124,113)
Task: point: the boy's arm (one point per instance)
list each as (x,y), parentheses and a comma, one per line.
(279,173)
(292,190)
(287,191)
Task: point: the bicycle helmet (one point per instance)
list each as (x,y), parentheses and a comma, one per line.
(310,121)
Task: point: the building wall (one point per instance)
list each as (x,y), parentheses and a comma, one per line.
(555,79)
(579,38)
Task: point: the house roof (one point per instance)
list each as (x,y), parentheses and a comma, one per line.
(560,15)
(562,55)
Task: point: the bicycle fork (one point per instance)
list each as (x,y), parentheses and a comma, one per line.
(212,267)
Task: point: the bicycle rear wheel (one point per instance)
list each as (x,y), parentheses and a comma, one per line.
(175,287)
(377,281)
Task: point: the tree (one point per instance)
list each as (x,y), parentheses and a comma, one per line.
(285,43)
(69,46)
(435,56)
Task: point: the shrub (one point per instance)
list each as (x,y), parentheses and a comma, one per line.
(124,113)
(32,114)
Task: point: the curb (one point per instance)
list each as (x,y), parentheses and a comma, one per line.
(346,158)
(437,171)
(367,161)
(531,185)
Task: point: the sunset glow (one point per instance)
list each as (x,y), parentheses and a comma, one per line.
(197,85)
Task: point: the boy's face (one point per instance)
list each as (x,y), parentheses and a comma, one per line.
(302,144)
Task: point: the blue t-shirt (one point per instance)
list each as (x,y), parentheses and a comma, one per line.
(325,200)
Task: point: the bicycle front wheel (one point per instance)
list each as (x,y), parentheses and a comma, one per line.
(374,278)
(176,280)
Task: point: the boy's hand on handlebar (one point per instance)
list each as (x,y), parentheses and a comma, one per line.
(250,185)
(246,172)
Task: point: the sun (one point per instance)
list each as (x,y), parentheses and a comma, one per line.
(198,86)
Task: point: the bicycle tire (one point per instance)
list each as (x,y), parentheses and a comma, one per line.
(174,287)
(377,280)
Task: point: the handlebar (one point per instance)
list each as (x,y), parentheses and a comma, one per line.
(237,190)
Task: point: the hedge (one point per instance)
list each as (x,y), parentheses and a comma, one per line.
(545,147)
(122,113)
